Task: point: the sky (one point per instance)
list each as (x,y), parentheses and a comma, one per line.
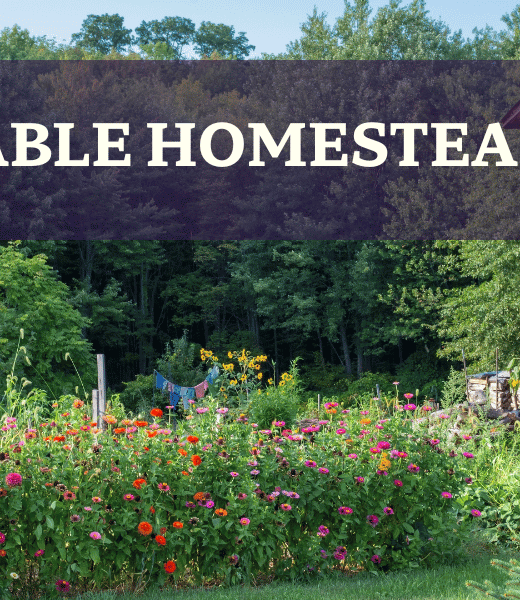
(268,24)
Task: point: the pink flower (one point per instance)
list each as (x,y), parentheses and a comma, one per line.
(352,456)
(286,507)
(388,511)
(39,553)
(408,396)
(398,483)
(323,470)
(13,479)
(244,521)
(373,520)
(364,412)
(446,495)
(476,513)
(2,537)
(376,559)
(345,510)
(383,445)
(95,535)
(341,431)
(409,406)
(323,531)
(413,468)
(222,411)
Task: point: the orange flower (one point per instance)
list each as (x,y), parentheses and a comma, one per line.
(156,412)
(78,403)
(183,452)
(365,421)
(110,419)
(196,460)
(151,434)
(144,528)
(161,540)
(177,525)
(192,439)
(93,423)
(140,423)
(59,438)
(138,483)
(170,566)
(119,430)
(184,473)
(72,432)
(3,552)
(221,512)
(152,510)
(199,496)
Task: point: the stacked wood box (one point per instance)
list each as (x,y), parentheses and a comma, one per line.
(482,388)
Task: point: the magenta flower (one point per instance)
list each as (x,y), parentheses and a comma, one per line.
(446,495)
(360,480)
(62,585)
(222,411)
(234,474)
(476,513)
(468,480)
(323,531)
(468,455)
(279,423)
(388,511)
(95,535)
(311,464)
(210,504)
(384,445)
(323,470)
(409,406)
(376,559)
(345,510)
(285,507)
(408,396)
(364,412)
(373,520)
(13,479)
(164,487)
(2,537)
(352,456)
(39,553)
(413,468)
(242,496)
(244,521)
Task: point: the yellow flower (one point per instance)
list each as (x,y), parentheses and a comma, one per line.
(222,389)
(233,382)
(257,367)
(251,364)
(282,383)
(270,381)
(259,391)
(230,355)
(259,375)
(244,377)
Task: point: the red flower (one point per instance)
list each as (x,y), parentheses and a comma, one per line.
(170,566)
(161,540)
(192,439)
(196,460)
(177,525)
(156,412)
(138,483)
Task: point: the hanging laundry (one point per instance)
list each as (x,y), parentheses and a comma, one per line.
(199,389)
(160,381)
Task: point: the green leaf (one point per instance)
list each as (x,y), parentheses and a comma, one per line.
(50,522)
(94,554)
(408,528)
(39,532)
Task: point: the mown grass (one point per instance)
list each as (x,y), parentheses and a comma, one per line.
(442,583)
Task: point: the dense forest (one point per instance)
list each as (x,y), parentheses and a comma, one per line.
(355,270)
(405,308)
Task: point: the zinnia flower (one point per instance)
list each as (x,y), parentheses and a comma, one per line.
(345,510)
(161,540)
(164,487)
(468,455)
(409,406)
(196,460)
(62,585)
(156,412)
(408,396)
(39,553)
(192,439)
(376,559)
(69,496)
(446,495)
(388,511)
(323,531)
(413,468)
(311,464)
(244,521)
(476,513)
(138,483)
(170,566)
(221,512)
(13,479)
(373,520)
(177,525)
(95,535)
(286,507)
(128,497)
(2,537)
(323,470)
(144,528)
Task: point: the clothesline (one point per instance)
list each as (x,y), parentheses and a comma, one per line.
(186,393)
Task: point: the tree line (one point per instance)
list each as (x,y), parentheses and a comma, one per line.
(393,32)
(407,308)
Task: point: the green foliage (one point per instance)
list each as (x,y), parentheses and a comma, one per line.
(454,388)
(139,394)
(103,33)
(420,371)
(165,39)
(220,38)
(33,299)
(503,592)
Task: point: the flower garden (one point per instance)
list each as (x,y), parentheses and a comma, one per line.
(138,503)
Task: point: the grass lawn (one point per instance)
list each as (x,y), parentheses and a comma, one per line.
(443,583)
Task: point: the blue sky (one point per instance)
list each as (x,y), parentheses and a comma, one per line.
(268,24)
